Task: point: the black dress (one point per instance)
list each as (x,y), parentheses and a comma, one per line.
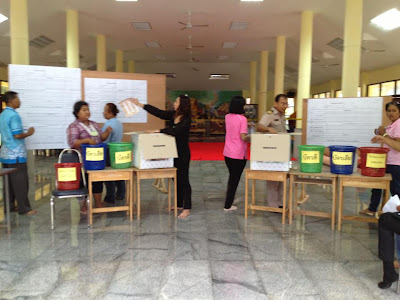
(181,133)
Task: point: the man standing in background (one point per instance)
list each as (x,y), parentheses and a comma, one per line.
(13,154)
(274,122)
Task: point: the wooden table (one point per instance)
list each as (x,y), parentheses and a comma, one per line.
(357,180)
(323,178)
(169,173)
(264,175)
(4,172)
(109,174)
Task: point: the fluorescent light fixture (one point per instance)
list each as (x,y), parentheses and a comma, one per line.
(248,100)
(223,57)
(168,75)
(229,45)
(219,76)
(389,20)
(239,25)
(153,45)
(3,18)
(141,25)
(252,0)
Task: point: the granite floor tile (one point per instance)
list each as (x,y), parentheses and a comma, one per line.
(236,280)
(187,280)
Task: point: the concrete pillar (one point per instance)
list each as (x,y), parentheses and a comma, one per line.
(305,57)
(262,96)
(101,53)
(280,65)
(19,34)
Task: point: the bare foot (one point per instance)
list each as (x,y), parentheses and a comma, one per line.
(31,212)
(173,208)
(99,204)
(396,264)
(185,213)
(84,209)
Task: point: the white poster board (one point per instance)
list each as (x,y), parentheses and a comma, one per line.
(343,121)
(47,97)
(99,91)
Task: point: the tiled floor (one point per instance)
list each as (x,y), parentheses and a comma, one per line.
(212,255)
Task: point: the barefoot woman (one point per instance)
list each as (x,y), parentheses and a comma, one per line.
(178,126)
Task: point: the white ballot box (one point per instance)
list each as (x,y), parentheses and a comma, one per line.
(270,152)
(153,150)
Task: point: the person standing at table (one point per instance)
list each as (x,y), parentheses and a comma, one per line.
(179,122)
(115,189)
(235,149)
(13,154)
(274,122)
(85,131)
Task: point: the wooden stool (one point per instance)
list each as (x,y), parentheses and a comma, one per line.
(357,180)
(327,178)
(169,173)
(109,174)
(264,175)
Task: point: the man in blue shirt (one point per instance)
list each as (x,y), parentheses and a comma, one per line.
(110,113)
(13,153)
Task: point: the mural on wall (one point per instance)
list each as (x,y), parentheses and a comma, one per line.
(208,109)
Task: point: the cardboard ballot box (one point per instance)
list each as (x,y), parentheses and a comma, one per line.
(153,150)
(270,152)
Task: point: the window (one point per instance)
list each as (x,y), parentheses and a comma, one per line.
(388,88)
(339,94)
(315,96)
(374,90)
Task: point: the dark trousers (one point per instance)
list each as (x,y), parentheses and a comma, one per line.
(376,194)
(235,167)
(389,224)
(19,187)
(184,190)
(111,194)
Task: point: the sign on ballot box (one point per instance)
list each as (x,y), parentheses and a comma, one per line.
(270,152)
(153,150)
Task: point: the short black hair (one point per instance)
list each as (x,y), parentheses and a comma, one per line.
(77,107)
(112,108)
(279,96)
(394,103)
(237,105)
(9,96)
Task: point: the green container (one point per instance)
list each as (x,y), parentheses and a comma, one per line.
(120,155)
(311,158)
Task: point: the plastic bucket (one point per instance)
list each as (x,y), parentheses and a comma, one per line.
(94,156)
(68,176)
(311,158)
(373,161)
(342,159)
(120,155)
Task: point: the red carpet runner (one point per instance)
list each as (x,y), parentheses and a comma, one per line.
(207,151)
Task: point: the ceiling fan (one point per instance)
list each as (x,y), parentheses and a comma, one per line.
(189,24)
(189,46)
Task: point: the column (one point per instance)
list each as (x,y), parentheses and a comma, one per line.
(253,83)
(364,84)
(352,47)
(332,85)
(72,39)
(101,53)
(131,66)
(262,96)
(19,33)
(280,65)
(119,61)
(305,56)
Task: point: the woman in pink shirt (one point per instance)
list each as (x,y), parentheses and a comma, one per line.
(235,150)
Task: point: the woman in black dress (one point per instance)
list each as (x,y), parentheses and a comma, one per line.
(178,126)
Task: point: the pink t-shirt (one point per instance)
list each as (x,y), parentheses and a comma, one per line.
(234,146)
(393,130)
